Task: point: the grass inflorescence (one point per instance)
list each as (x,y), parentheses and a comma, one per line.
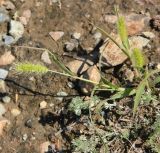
(27,67)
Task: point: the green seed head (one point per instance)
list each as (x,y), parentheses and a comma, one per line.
(31,68)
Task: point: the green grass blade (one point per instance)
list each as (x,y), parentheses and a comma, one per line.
(60,64)
(137,58)
(122,94)
(140,90)
(122,30)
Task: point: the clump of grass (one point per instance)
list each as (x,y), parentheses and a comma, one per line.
(134,54)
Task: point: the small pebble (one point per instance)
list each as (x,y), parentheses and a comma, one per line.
(16,29)
(8,40)
(97,35)
(43,104)
(3,74)
(31,78)
(45,57)
(56,35)
(2,86)
(2,110)
(28,123)
(3,123)
(15,112)
(70,85)
(6,99)
(70,46)
(24,137)
(149,35)
(61,95)
(3,16)
(76,35)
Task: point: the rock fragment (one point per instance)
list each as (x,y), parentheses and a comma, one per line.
(15,112)
(6,58)
(56,35)
(135,22)
(2,109)
(6,99)
(45,57)
(149,35)
(112,55)
(76,35)
(3,123)
(2,86)
(43,104)
(16,29)
(4,17)
(44,147)
(24,19)
(92,74)
(3,74)
(78,67)
(61,95)
(8,40)
(70,46)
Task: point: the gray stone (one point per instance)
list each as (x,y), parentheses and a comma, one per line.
(3,15)
(2,110)
(8,40)
(3,74)
(70,46)
(61,95)
(16,29)
(6,99)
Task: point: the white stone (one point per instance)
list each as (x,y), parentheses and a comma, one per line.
(15,112)
(6,99)
(16,29)
(149,35)
(76,35)
(45,57)
(43,104)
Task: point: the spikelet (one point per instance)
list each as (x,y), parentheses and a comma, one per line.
(137,58)
(27,67)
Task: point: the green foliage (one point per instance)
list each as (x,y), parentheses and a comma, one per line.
(31,68)
(154,139)
(139,91)
(77,105)
(85,145)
